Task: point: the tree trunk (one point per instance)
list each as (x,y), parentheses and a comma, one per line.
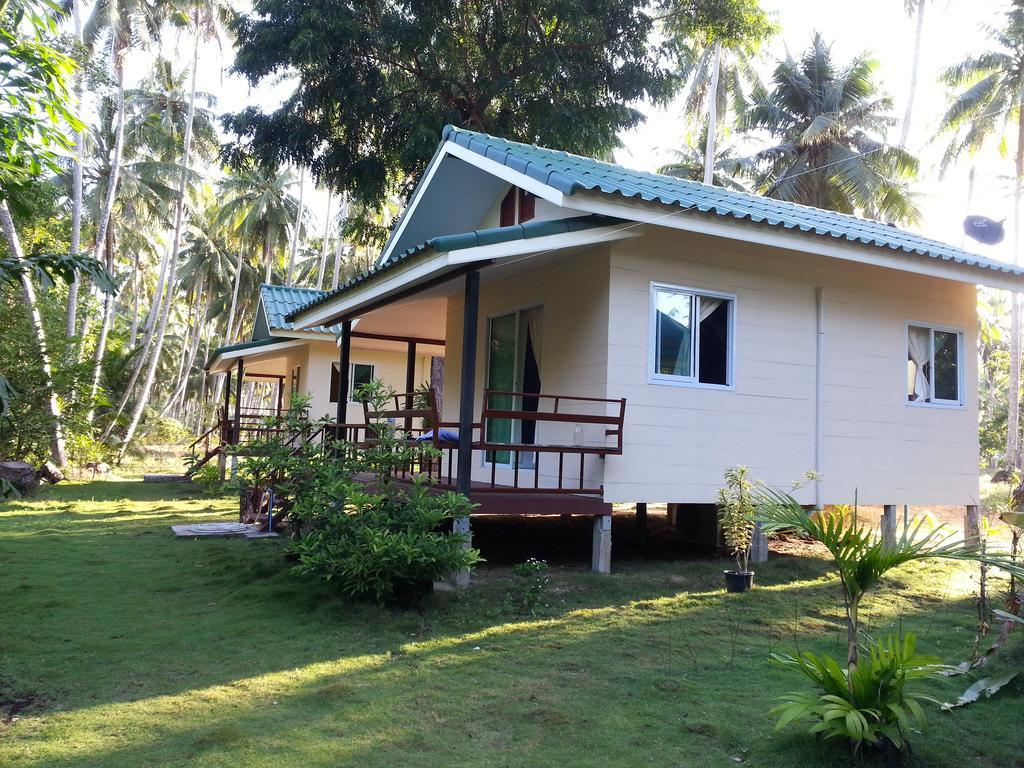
(101,343)
(133,333)
(709,145)
(914,66)
(172,269)
(29,294)
(324,244)
(268,255)
(234,298)
(177,398)
(1013,415)
(71,325)
(290,280)
(851,639)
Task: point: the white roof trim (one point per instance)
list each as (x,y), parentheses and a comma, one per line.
(498,170)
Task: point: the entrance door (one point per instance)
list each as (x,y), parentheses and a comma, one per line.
(513,365)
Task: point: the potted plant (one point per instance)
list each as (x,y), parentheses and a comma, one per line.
(736,508)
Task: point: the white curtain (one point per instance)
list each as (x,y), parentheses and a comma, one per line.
(708,307)
(918,346)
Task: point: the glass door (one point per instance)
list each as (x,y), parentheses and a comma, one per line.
(513,355)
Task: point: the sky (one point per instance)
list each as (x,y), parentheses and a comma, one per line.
(952,30)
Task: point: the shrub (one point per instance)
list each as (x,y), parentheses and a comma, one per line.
(869,708)
(207,478)
(528,586)
(382,540)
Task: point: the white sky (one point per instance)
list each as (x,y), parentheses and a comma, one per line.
(880,27)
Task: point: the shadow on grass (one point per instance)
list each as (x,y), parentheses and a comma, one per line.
(200,649)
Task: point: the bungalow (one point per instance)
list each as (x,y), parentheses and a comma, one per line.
(281,359)
(620,336)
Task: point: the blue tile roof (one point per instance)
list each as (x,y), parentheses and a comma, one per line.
(280,301)
(570,174)
(447,243)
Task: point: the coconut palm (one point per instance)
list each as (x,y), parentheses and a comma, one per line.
(727,169)
(716,77)
(258,205)
(987,106)
(913,8)
(829,123)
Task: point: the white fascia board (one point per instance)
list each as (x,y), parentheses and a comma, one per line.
(748,232)
(557,242)
(351,301)
(302,334)
(505,173)
(487,165)
(252,352)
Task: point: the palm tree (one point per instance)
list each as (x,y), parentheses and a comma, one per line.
(988,105)
(258,205)
(205,19)
(830,122)
(691,163)
(716,77)
(71,323)
(913,8)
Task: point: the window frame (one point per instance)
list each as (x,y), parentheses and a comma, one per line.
(672,380)
(958,404)
(336,367)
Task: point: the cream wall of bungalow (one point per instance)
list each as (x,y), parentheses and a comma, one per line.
(596,341)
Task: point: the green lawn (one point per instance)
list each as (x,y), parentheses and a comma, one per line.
(132,648)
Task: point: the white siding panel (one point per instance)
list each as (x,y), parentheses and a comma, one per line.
(678,440)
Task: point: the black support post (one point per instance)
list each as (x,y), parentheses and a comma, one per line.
(344,357)
(410,380)
(225,429)
(238,400)
(467,389)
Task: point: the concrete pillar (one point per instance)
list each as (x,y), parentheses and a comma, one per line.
(972,524)
(759,545)
(461,525)
(601,557)
(889,525)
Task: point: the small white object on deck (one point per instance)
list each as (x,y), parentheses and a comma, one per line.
(199,530)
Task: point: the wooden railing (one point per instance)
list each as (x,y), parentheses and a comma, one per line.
(523,472)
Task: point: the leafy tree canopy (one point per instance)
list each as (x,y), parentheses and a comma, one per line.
(33,94)
(376,81)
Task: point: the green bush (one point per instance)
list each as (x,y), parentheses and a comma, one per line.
(528,586)
(869,708)
(385,540)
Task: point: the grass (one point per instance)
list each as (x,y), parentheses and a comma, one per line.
(123,646)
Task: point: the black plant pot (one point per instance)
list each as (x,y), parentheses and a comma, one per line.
(738,581)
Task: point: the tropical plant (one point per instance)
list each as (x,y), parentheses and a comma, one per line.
(829,123)
(987,105)
(871,706)
(862,559)
(737,504)
(727,169)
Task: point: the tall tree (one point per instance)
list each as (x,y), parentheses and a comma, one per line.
(204,19)
(258,205)
(914,8)
(717,65)
(378,80)
(34,91)
(829,122)
(988,104)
